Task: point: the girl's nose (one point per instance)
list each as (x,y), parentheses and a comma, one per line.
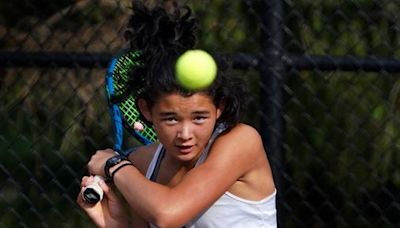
(185,132)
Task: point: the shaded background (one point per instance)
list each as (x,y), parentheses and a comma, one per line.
(325,85)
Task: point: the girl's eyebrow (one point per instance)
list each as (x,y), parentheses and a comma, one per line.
(201,112)
(167,113)
(195,113)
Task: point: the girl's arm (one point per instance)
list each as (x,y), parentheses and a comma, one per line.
(137,221)
(232,156)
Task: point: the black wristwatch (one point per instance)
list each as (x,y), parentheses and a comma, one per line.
(113,161)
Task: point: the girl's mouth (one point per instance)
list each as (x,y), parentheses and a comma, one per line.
(185,149)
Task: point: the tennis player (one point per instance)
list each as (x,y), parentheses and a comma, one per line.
(207,169)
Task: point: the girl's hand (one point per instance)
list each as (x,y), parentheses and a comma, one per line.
(98,160)
(107,213)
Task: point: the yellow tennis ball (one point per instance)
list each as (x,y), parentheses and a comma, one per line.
(195,69)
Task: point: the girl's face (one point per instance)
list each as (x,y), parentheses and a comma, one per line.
(183,124)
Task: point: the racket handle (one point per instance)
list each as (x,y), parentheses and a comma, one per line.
(93,192)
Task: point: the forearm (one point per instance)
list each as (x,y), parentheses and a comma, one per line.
(152,201)
(137,221)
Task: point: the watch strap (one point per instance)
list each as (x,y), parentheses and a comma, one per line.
(113,161)
(120,167)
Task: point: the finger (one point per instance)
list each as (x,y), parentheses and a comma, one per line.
(84,181)
(87,180)
(103,185)
(79,199)
(108,192)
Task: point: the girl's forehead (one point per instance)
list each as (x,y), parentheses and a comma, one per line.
(176,99)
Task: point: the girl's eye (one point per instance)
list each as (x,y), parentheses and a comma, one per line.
(199,119)
(170,120)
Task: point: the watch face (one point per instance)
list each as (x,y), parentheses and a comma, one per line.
(112,162)
(115,160)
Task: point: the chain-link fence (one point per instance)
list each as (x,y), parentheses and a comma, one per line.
(325,97)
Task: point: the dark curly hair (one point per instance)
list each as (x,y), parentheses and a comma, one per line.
(162,36)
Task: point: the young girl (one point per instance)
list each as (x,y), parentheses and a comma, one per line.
(212,169)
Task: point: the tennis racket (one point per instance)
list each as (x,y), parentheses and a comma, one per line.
(123,110)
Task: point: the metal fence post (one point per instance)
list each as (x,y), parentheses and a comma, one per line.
(271,98)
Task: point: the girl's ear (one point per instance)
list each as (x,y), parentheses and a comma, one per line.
(220,108)
(144,109)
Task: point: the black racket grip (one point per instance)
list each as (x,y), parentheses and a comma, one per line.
(93,192)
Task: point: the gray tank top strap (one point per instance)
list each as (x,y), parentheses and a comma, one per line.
(221,127)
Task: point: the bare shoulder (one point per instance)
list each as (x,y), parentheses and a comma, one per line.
(142,156)
(243,149)
(242,141)
(242,135)
(238,159)
(246,130)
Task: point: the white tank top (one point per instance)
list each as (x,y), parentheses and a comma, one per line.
(229,210)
